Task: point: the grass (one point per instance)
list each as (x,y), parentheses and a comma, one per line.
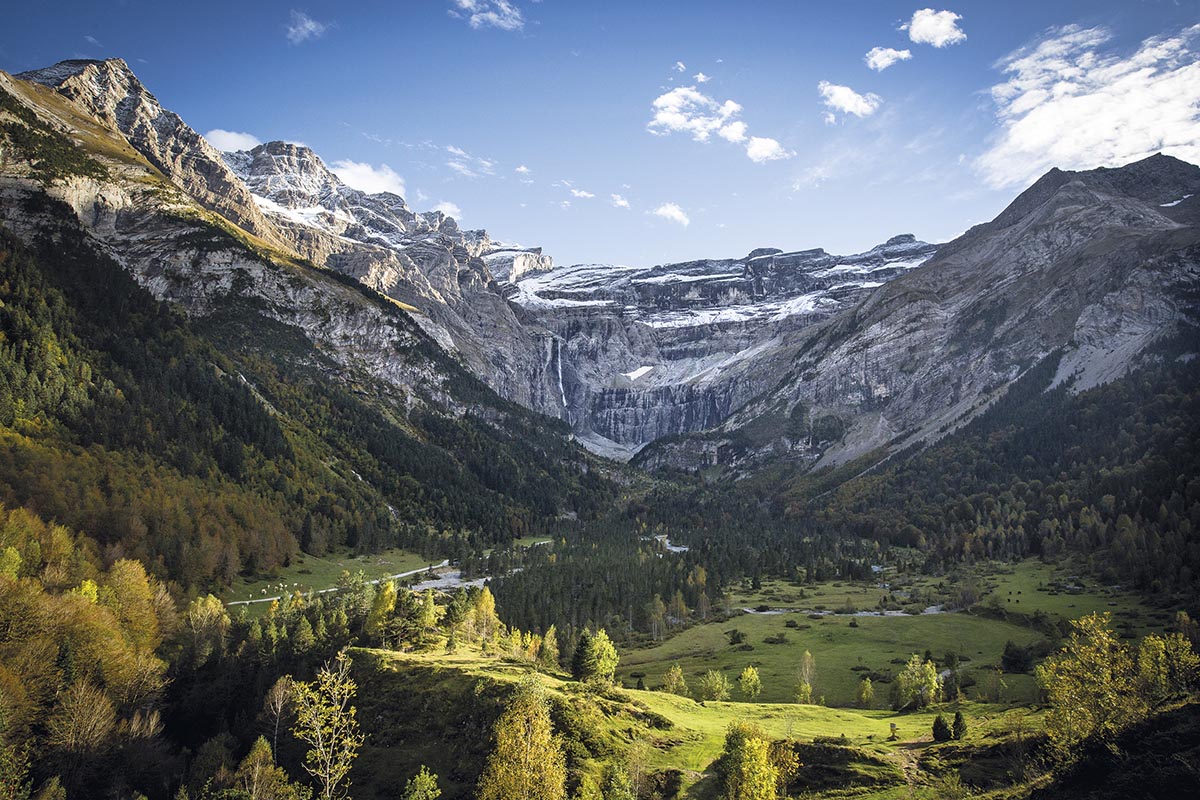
(1033,586)
(878,646)
(307,573)
(461,694)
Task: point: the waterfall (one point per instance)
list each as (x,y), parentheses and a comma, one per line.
(562,392)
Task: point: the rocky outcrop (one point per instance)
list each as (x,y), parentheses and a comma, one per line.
(111,93)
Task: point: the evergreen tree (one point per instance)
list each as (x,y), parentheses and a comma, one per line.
(959,728)
(941,729)
(595,658)
(527,761)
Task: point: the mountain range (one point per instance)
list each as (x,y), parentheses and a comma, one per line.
(805,356)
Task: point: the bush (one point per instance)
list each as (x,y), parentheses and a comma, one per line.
(1016,659)
(941,729)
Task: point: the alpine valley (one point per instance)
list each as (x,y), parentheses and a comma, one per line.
(245,408)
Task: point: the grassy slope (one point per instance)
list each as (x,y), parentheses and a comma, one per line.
(437,709)
(876,644)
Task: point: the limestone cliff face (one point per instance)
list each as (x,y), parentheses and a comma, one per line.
(1097,266)
(422,260)
(675,349)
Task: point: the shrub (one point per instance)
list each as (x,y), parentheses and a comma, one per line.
(941,729)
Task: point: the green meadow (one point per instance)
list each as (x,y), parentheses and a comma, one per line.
(309,573)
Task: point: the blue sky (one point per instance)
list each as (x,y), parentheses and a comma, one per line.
(644,132)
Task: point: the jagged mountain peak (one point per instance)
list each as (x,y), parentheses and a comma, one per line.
(113,94)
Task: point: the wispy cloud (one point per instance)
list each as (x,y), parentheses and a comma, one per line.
(938,28)
(301,27)
(700,77)
(488,14)
(92,40)
(368,178)
(467,165)
(880,58)
(847,101)
(1068,103)
(231,141)
(680,66)
(618,201)
(672,212)
(582,194)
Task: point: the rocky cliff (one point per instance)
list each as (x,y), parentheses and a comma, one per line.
(1095,267)
(673,349)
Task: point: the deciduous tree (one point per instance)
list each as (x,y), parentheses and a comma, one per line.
(527,761)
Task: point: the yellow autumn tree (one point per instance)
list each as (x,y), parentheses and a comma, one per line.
(527,761)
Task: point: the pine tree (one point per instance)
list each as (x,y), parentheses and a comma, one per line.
(595,658)
(959,729)
(527,761)
(941,729)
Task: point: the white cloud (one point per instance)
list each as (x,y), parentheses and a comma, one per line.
(488,14)
(848,101)
(449,209)
(733,132)
(687,110)
(700,77)
(92,41)
(880,58)
(523,170)
(761,150)
(581,194)
(680,66)
(619,202)
(672,212)
(231,141)
(302,27)
(1070,104)
(938,28)
(368,178)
